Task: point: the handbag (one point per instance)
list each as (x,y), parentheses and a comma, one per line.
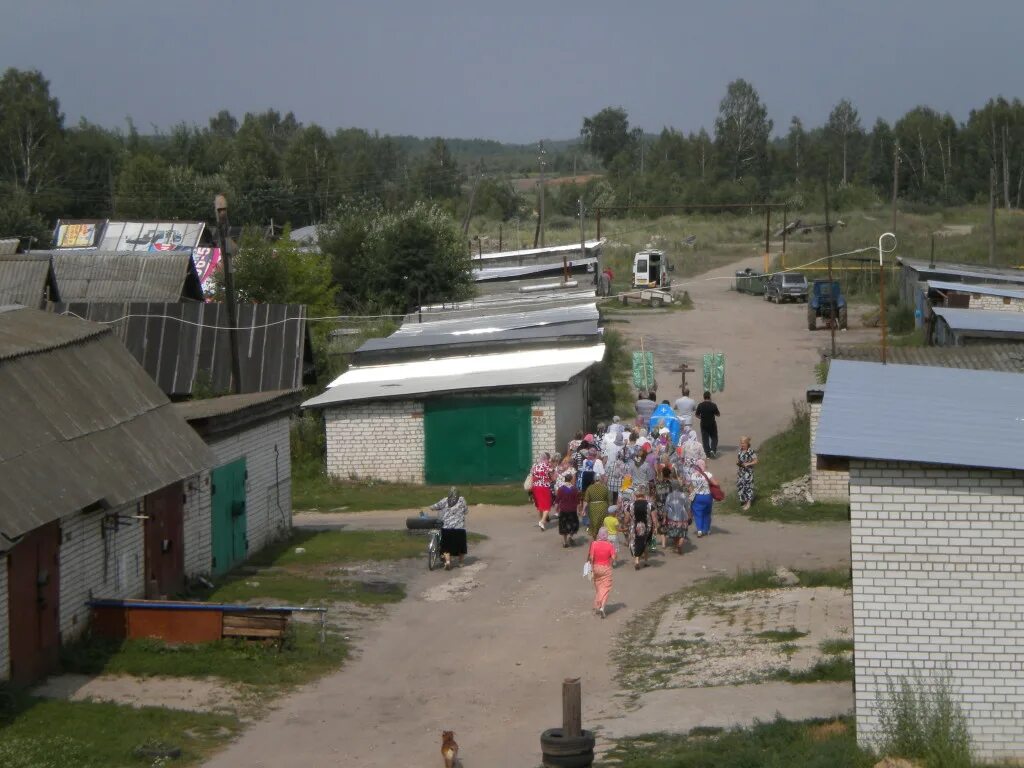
(717,494)
(588,570)
(528,482)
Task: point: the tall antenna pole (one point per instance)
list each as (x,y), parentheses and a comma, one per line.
(220,207)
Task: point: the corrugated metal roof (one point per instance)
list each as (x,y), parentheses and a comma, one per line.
(984,290)
(979,357)
(986,320)
(575,266)
(905,413)
(183,346)
(89,425)
(28,280)
(459,374)
(557,250)
(230,405)
(134,276)
(973,271)
(9,246)
(503,303)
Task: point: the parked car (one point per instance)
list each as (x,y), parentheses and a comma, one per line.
(785,286)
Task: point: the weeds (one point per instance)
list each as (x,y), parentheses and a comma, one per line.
(920,719)
(745,580)
(836,646)
(781,635)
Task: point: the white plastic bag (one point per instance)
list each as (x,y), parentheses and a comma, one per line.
(588,570)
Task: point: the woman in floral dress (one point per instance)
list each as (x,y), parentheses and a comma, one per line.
(746,458)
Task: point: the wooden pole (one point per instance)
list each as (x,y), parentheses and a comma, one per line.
(767,235)
(572,708)
(881,302)
(220,208)
(992,214)
(828,251)
(785,226)
(895,180)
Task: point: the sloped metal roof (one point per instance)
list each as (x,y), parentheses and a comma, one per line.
(185,346)
(452,374)
(230,413)
(533,253)
(982,320)
(982,272)
(87,275)
(979,357)
(89,425)
(904,413)
(27,279)
(985,290)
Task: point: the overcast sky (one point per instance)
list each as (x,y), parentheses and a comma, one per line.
(513,71)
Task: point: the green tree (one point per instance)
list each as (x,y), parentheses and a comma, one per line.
(844,131)
(91,161)
(312,166)
(796,144)
(741,130)
(394,259)
(437,175)
(143,189)
(607,134)
(31,130)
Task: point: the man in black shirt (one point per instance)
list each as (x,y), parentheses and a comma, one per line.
(707,412)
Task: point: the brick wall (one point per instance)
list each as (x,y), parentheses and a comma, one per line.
(94,564)
(268,491)
(999,303)
(826,484)
(384,439)
(5,658)
(937,554)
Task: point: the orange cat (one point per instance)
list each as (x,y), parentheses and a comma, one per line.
(449,749)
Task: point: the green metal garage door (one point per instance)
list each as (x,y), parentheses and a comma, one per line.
(477,441)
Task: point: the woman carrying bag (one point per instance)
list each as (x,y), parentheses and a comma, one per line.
(599,558)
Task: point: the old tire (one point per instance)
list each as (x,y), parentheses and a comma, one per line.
(842,318)
(582,760)
(553,742)
(421,523)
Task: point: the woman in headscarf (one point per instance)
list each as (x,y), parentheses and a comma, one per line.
(639,528)
(641,472)
(746,458)
(700,498)
(693,451)
(677,516)
(542,475)
(452,510)
(600,556)
(596,500)
(567,500)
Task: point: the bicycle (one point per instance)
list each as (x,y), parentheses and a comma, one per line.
(433,525)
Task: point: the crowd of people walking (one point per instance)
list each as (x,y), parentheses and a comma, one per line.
(636,487)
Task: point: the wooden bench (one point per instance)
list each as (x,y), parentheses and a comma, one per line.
(270,627)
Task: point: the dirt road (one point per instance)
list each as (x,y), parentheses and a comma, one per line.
(483,650)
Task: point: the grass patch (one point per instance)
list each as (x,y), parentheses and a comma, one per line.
(835,669)
(746,580)
(300,590)
(778,744)
(323,547)
(781,635)
(314,491)
(300,659)
(40,733)
(836,646)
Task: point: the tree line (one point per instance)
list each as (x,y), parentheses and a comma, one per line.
(930,157)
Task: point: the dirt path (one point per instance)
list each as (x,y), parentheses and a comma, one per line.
(483,650)
(770,354)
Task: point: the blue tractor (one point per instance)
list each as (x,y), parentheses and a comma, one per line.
(826,300)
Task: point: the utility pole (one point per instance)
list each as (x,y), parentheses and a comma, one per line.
(540,221)
(583,245)
(895,179)
(828,251)
(992,214)
(220,207)
(472,199)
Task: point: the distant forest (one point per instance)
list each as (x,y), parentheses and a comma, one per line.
(276,169)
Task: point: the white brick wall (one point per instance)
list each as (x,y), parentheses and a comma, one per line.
(268,491)
(5,657)
(826,484)
(998,303)
(98,565)
(937,557)
(384,439)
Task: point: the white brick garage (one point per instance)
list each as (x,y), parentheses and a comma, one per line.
(937,541)
(375,418)
(254,428)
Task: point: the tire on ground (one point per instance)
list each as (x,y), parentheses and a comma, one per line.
(583,760)
(552,742)
(842,318)
(420,523)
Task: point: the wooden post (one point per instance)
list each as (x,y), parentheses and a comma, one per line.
(572,708)
(895,179)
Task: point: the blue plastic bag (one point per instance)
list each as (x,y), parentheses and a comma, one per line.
(664,413)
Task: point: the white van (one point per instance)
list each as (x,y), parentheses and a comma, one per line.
(650,270)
